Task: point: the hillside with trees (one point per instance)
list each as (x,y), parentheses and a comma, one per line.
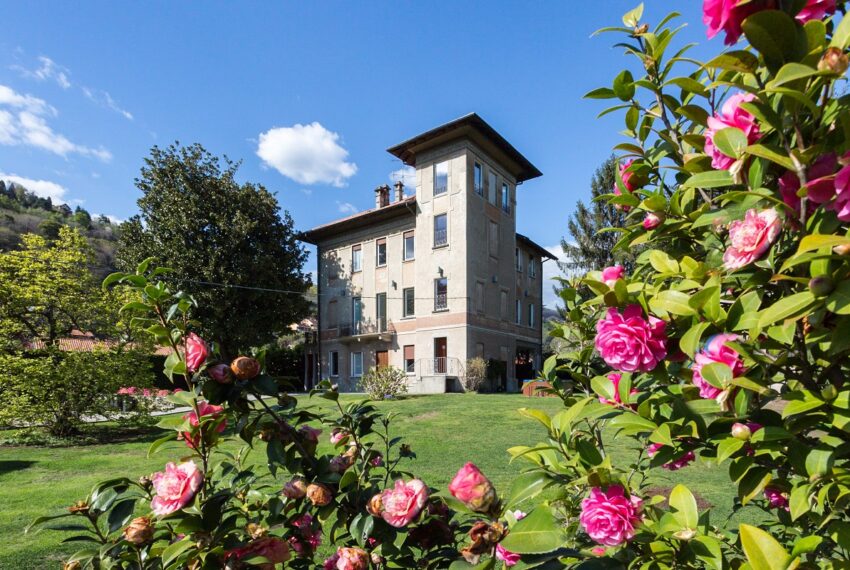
(23,212)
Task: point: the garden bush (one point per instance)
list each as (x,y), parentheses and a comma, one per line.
(475,374)
(726,344)
(384,382)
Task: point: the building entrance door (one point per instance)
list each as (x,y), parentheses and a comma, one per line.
(382,358)
(440,354)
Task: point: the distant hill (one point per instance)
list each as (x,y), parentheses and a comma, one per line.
(23,212)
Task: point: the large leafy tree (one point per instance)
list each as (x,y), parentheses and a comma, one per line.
(228,244)
(588,247)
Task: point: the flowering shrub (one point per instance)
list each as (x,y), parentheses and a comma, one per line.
(727,344)
(384,382)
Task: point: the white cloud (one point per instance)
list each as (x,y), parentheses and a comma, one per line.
(346,207)
(104,99)
(407,174)
(550,271)
(42,188)
(48,69)
(24,122)
(308,154)
(113,219)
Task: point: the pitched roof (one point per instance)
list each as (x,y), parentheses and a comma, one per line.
(406,206)
(475,128)
(534,246)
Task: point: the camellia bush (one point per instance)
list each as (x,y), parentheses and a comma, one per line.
(726,344)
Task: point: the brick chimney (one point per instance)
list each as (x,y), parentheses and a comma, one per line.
(399,190)
(382,196)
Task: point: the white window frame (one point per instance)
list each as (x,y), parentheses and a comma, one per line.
(478,178)
(412,237)
(378,245)
(506,198)
(440,190)
(446,217)
(354,373)
(357,266)
(532,266)
(404,312)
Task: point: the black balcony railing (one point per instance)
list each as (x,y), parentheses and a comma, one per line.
(376,326)
(441,237)
(441,302)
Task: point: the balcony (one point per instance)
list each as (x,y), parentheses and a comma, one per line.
(363,330)
(440,366)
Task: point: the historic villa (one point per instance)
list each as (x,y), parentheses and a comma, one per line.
(426,281)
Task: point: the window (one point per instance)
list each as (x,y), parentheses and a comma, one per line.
(356,259)
(356,364)
(503,306)
(478,179)
(333,363)
(493,187)
(441,230)
(506,198)
(532,267)
(518,260)
(518,312)
(409,359)
(409,246)
(381,252)
(381,311)
(479,296)
(356,314)
(441,291)
(408,310)
(441,178)
(494,238)
(531,314)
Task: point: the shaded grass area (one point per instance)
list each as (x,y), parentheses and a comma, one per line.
(445,431)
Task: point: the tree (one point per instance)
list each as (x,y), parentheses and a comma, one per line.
(589,248)
(224,241)
(46,289)
(82,218)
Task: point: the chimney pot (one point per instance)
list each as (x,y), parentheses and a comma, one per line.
(399,191)
(382,196)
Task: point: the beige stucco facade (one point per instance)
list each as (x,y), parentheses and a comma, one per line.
(466,283)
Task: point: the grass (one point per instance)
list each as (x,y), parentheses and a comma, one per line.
(444,431)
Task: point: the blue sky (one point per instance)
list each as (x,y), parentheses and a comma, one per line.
(87,89)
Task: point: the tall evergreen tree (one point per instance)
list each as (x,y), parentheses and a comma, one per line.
(588,247)
(228,244)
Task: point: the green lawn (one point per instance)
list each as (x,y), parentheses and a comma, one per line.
(445,431)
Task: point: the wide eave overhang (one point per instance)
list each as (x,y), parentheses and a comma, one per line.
(476,129)
(534,246)
(402,208)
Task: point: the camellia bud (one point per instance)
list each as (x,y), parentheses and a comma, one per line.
(821,285)
(829,393)
(834,60)
(72,566)
(741,431)
(377,559)
(139,531)
(245,367)
(376,505)
(642,29)
(79,507)
(319,494)
(472,488)
(145,482)
(256,531)
(685,534)
(652,220)
(220,373)
(295,489)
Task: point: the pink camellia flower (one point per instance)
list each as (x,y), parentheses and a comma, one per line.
(715,350)
(815,10)
(220,373)
(731,115)
(352,559)
(146,393)
(821,182)
(727,16)
(403,503)
(842,192)
(682,461)
(598,550)
(751,237)
(162,393)
(339,436)
(132,391)
(506,556)
(627,177)
(330,563)
(196,352)
(123,391)
(776,498)
(472,488)
(193,438)
(611,274)
(309,539)
(377,461)
(630,343)
(309,434)
(175,487)
(609,517)
(615,377)
(272,548)
(652,221)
